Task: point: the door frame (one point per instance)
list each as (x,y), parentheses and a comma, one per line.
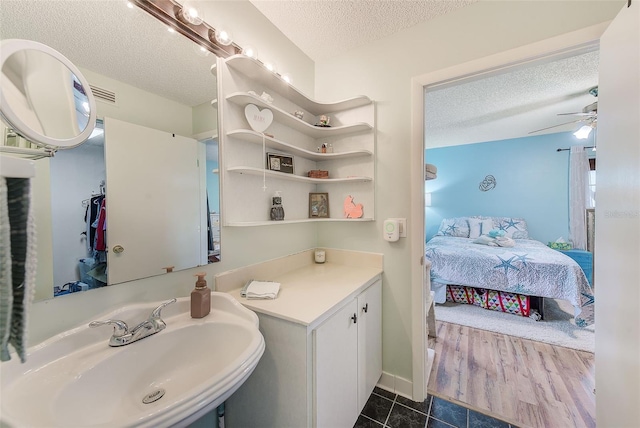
(547,50)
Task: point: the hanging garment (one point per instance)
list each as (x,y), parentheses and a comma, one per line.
(91,218)
(101,242)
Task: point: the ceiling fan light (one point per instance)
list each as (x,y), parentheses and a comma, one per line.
(583,132)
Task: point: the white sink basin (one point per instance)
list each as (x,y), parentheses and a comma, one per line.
(76,380)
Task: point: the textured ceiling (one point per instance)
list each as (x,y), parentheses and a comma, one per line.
(130,46)
(324,28)
(109,38)
(512,104)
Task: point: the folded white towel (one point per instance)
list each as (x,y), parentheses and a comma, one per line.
(260,290)
(500,241)
(503,241)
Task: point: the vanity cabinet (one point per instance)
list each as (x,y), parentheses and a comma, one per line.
(248,182)
(348,359)
(315,375)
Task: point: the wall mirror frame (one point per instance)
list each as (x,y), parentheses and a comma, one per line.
(171,91)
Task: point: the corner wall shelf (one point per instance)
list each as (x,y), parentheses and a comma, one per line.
(281,116)
(292,177)
(303,220)
(257,72)
(352,166)
(274,143)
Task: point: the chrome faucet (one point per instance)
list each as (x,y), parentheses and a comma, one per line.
(123,336)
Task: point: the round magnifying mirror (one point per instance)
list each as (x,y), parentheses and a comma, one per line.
(43,96)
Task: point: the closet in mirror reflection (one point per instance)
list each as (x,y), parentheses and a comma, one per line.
(132,202)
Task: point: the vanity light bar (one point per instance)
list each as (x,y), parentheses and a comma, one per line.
(169,13)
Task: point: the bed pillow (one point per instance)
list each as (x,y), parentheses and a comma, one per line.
(457,226)
(478,226)
(515,228)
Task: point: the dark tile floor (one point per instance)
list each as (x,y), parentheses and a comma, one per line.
(389,410)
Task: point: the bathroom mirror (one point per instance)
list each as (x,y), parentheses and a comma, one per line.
(139,73)
(44,96)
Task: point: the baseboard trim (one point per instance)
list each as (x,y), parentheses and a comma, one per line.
(396,384)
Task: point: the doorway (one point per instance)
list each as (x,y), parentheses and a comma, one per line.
(548,50)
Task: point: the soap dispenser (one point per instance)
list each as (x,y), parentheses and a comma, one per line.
(200,298)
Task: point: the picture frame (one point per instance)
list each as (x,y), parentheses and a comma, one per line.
(280,163)
(318,205)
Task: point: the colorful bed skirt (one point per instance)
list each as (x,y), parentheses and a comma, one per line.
(502,301)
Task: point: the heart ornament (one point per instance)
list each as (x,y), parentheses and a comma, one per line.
(259,120)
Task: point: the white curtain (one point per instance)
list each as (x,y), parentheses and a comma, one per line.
(578,190)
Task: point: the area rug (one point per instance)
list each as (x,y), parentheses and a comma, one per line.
(558,328)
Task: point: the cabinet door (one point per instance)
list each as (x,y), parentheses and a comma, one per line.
(369,341)
(335,369)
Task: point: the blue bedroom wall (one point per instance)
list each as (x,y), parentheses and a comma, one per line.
(532,182)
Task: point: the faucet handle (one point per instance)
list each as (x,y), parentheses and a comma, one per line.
(156,312)
(120,328)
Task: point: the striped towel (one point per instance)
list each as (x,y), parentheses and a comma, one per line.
(18,265)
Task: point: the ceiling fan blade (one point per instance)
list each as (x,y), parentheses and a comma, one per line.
(592,114)
(555,126)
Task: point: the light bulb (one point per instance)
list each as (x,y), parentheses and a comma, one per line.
(130,5)
(250,51)
(171,30)
(271,66)
(223,37)
(191,13)
(583,132)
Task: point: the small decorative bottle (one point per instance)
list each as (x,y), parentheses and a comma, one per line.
(277,212)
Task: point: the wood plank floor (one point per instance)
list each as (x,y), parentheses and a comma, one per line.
(527,383)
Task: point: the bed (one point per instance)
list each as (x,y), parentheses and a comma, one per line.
(529,267)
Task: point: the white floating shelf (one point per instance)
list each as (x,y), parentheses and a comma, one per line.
(256,138)
(256,71)
(292,177)
(304,220)
(281,116)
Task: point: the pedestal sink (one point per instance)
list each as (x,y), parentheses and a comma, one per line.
(171,378)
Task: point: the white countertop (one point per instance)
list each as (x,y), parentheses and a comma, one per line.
(310,293)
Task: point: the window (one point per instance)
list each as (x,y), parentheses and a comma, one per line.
(591,197)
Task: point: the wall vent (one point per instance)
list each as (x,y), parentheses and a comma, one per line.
(103,94)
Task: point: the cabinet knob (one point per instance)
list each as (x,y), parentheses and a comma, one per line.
(365,308)
(118,249)
(354,318)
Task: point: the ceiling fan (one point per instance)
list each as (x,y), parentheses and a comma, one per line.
(588,115)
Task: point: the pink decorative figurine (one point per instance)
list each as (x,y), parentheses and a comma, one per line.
(351,210)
